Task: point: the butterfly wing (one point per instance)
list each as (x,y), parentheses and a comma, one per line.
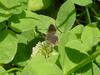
(51,37)
(51,29)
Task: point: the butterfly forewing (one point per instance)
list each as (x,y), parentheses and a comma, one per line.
(51,29)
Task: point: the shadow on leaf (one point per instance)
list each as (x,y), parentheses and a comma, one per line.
(3,35)
(24,51)
(76,57)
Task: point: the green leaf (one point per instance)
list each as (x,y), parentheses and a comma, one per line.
(78,29)
(84,62)
(30,21)
(90,36)
(69,57)
(61,47)
(96,69)
(2,25)
(29,35)
(36,5)
(85,70)
(98,60)
(26,41)
(2,18)
(3,12)
(53,58)
(10,3)
(6,13)
(3,71)
(98,57)
(71,36)
(82,2)
(77,45)
(16,10)
(24,25)
(8,46)
(66,37)
(42,21)
(98,18)
(66,16)
(39,66)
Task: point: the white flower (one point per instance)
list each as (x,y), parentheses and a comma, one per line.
(36,49)
(42,48)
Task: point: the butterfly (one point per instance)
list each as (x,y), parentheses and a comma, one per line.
(50,40)
(50,36)
(46,47)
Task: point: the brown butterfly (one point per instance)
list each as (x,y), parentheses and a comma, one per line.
(51,37)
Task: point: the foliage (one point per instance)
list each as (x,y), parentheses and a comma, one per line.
(24,46)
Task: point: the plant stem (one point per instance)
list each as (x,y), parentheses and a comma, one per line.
(95,62)
(93,10)
(88,15)
(10,70)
